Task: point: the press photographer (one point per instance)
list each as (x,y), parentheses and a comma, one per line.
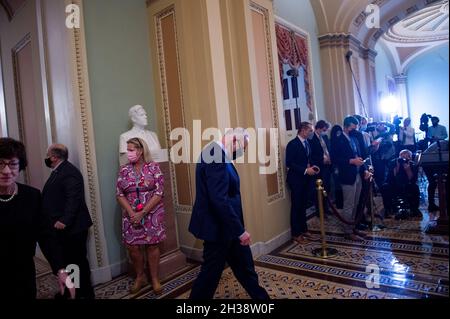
(383,134)
(401,186)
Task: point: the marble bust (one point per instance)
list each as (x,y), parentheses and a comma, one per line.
(138,117)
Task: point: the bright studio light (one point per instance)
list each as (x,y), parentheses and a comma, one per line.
(389,104)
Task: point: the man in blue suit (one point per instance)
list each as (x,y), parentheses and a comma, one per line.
(352,170)
(217,219)
(299,178)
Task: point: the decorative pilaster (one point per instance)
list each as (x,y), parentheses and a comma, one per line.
(340,95)
(401,82)
(340,90)
(88,162)
(224,66)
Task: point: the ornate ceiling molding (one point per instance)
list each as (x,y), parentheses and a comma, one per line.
(426,25)
(347,41)
(424,28)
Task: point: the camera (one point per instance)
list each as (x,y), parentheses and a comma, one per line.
(397,121)
(424,119)
(402,161)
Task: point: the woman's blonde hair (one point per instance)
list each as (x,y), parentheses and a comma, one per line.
(141,145)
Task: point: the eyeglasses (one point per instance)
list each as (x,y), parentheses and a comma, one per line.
(12,165)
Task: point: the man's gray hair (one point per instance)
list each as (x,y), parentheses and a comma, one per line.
(59,151)
(134,110)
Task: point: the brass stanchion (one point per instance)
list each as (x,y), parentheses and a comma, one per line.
(324,251)
(374,228)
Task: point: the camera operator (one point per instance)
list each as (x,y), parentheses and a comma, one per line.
(383,134)
(402,183)
(370,145)
(422,145)
(436,132)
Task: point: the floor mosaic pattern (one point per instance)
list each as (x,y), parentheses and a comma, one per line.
(411,265)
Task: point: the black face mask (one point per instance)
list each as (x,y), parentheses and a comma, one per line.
(48,162)
(353,133)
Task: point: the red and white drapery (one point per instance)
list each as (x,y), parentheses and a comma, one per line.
(292,50)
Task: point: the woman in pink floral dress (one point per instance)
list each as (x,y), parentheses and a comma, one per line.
(140,188)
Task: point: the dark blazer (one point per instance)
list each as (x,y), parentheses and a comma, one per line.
(362,145)
(64,201)
(347,171)
(317,150)
(217,213)
(297,162)
(22,226)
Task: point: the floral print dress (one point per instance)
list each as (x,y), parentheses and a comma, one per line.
(150,181)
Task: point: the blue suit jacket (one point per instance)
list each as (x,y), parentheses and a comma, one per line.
(217,213)
(347,172)
(297,162)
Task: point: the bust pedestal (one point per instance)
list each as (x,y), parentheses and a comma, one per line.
(172,259)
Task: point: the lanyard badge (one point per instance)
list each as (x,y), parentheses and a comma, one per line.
(138,206)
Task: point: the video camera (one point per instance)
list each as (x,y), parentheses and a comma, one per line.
(424,119)
(397,121)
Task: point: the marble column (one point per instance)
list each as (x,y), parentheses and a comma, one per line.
(344,93)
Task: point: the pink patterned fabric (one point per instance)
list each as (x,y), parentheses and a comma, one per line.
(151,182)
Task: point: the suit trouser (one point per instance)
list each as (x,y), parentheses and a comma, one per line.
(351,199)
(380,167)
(410,192)
(75,253)
(299,203)
(239,258)
(363,202)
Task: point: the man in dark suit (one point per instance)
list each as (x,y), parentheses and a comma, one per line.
(217,219)
(351,167)
(320,156)
(299,178)
(64,203)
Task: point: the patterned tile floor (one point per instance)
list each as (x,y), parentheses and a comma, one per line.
(411,265)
